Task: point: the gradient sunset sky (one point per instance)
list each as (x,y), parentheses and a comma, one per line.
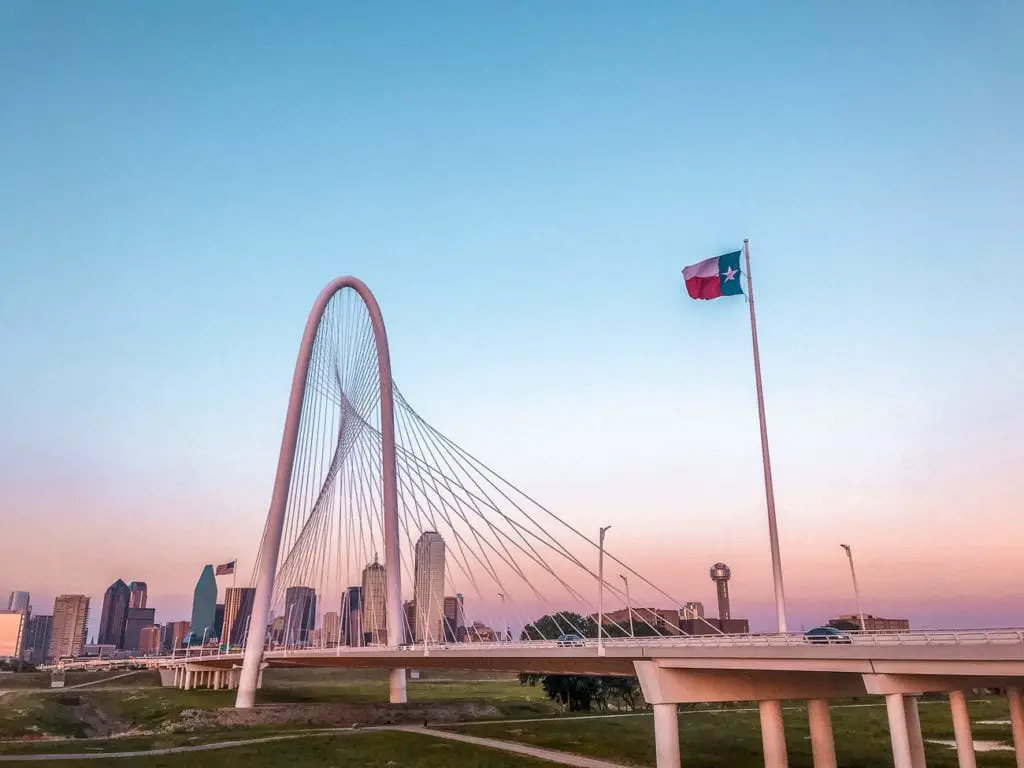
(520,183)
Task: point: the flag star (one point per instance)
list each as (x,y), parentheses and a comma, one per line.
(730,273)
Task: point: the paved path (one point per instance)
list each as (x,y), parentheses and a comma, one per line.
(562,758)
(551,755)
(165,751)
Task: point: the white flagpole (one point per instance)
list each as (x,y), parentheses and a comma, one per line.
(234,572)
(769,492)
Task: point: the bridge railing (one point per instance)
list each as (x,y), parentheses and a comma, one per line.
(923,637)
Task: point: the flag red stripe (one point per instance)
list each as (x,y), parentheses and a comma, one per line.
(704,287)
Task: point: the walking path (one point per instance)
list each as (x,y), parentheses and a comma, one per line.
(167,750)
(562,758)
(551,755)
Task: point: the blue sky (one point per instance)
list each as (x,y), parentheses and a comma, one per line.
(520,184)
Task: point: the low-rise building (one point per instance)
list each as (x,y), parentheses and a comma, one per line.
(872,623)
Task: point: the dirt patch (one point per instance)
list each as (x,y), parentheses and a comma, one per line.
(94,720)
(336,715)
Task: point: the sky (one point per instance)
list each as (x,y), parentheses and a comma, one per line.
(520,184)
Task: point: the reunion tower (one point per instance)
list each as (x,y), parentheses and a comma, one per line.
(720,574)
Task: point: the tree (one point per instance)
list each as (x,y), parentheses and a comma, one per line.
(553,626)
(580,693)
(623,691)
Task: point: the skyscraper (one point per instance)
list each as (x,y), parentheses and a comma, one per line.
(138,620)
(12,634)
(138,594)
(204,607)
(454,618)
(18,601)
(332,629)
(237,612)
(409,614)
(299,614)
(352,617)
(175,634)
(37,639)
(720,574)
(114,615)
(429,588)
(149,638)
(218,621)
(70,619)
(374,621)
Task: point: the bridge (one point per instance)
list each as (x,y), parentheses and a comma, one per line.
(366,491)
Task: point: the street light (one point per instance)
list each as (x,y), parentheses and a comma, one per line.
(504,618)
(856,589)
(629,604)
(600,590)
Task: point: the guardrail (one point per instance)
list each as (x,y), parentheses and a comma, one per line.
(911,638)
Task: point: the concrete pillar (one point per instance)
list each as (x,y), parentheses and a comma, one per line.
(188,679)
(1016,700)
(259,681)
(914,731)
(396,686)
(962,729)
(666,735)
(218,679)
(773,735)
(898,733)
(823,745)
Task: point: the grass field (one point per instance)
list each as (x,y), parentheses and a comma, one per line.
(710,739)
(366,750)
(118,708)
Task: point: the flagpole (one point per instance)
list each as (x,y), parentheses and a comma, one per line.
(769,492)
(234,573)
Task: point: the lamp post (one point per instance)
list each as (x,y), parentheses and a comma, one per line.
(600,590)
(856,589)
(629,604)
(504,618)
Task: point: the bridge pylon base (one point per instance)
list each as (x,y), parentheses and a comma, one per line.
(396,680)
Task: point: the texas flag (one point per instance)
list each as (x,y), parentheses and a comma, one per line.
(714,277)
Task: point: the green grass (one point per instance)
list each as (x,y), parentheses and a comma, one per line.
(29,715)
(147,742)
(151,708)
(710,739)
(366,750)
(510,698)
(41,680)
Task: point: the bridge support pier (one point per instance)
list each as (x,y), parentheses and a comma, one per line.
(396,682)
(898,731)
(773,734)
(962,730)
(823,746)
(914,731)
(666,735)
(1016,700)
